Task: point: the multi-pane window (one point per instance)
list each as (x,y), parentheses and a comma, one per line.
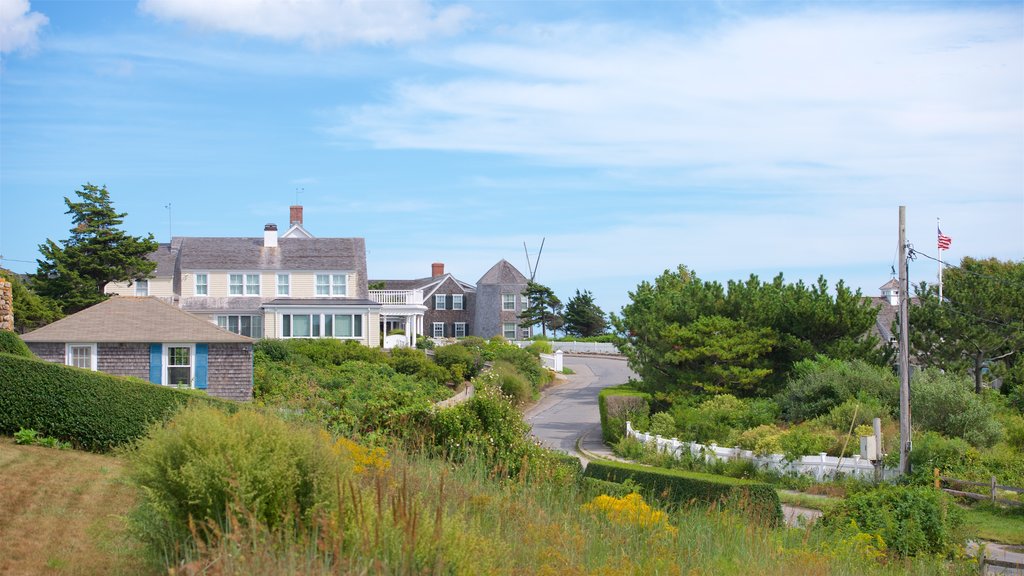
(508,330)
(331,284)
(251,326)
(284,285)
(202,285)
(244,284)
(460,329)
(179,366)
(439,301)
(438,330)
(322,326)
(82,356)
(456,301)
(526,301)
(142,287)
(508,301)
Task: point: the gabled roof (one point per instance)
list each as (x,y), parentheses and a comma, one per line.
(290,254)
(428,284)
(503,273)
(133,319)
(893,284)
(165,257)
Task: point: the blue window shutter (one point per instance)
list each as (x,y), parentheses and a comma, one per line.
(202,365)
(156,369)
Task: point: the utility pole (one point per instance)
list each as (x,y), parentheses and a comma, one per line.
(904,352)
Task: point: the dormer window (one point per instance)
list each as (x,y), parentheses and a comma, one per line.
(142,287)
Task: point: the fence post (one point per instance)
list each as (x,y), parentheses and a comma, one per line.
(993,489)
(937,486)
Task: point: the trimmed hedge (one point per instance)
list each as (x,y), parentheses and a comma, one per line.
(618,404)
(591,488)
(10,343)
(92,410)
(679,487)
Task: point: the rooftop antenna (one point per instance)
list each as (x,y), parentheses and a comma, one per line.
(532,266)
(170,232)
(297,192)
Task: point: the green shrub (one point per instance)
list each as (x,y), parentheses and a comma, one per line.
(952,456)
(11,343)
(526,363)
(424,344)
(720,418)
(819,385)
(511,382)
(762,440)
(465,358)
(662,424)
(272,349)
(333,352)
(619,404)
(806,439)
(204,463)
(92,410)
(416,363)
(591,488)
(865,410)
(682,488)
(911,520)
(947,403)
(539,347)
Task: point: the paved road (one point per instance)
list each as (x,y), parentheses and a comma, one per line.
(569,410)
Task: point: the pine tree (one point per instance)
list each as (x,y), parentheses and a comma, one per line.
(583,317)
(543,309)
(74,271)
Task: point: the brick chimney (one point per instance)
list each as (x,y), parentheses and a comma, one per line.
(437,269)
(295,216)
(270,236)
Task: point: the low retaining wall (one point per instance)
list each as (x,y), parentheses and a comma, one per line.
(576,347)
(821,465)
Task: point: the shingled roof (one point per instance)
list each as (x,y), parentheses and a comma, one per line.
(503,273)
(133,319)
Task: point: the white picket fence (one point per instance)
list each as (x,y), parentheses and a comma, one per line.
(821,466)
(552,361)
(576,347)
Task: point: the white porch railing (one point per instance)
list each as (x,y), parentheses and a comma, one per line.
(821,465)
(412,297)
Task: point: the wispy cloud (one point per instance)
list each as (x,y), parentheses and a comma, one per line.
(810,99)
(316,22)
(19,26)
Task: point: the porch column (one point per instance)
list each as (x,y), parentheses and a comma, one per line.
(411,321)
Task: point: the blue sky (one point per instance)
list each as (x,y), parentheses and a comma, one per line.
(634,136)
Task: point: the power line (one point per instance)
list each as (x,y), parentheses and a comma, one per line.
(915,253)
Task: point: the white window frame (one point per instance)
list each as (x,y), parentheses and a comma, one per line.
(435,328)
(525,300)
(246,284)
(205,284)
(505,330)
(508,301)
(460,329)
(458,302)
(142,287)
(68,354)
(440,301)
(319,323)
(287,284)
(166,364)
(334,289)
(223,322)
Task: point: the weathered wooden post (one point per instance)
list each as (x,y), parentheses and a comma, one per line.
(993,488)
(937,486)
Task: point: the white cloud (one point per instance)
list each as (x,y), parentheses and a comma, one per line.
(823,101)
(19,27)
(316,22)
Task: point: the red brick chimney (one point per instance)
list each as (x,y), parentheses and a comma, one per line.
(296,216)
(437,269)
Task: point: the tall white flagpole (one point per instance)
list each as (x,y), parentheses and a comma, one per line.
(939,250)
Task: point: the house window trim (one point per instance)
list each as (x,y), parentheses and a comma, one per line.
(460,300)
(330,284)
(142,282)
(440,301)
(206,284)
(287,284)
(166,364)
(322,323)
(506,299)
(92,354)
(245,284)
(505,331)
(433,329)
(456,331)
(227,324)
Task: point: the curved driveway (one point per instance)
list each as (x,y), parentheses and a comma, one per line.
(568,410)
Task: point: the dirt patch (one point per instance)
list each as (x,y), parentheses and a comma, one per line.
(63,512)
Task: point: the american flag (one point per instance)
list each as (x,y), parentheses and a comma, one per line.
(944,241)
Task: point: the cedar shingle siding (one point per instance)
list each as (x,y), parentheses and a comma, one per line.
(123,359)
(49,351)
(230,371)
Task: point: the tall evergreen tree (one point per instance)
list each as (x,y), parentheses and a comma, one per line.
(543,309)
(583,317)
(74,271)
(31,310)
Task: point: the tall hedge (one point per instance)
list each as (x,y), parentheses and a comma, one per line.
(618,404)
(679,487)
(10,343)
(92,410)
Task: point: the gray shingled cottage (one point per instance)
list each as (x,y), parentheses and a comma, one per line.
(150,339)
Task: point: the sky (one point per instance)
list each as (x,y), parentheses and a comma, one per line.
(629,137)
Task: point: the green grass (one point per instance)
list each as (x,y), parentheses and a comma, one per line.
(997,524)
(812,501)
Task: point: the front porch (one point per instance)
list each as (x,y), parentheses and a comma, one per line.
(400,310)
